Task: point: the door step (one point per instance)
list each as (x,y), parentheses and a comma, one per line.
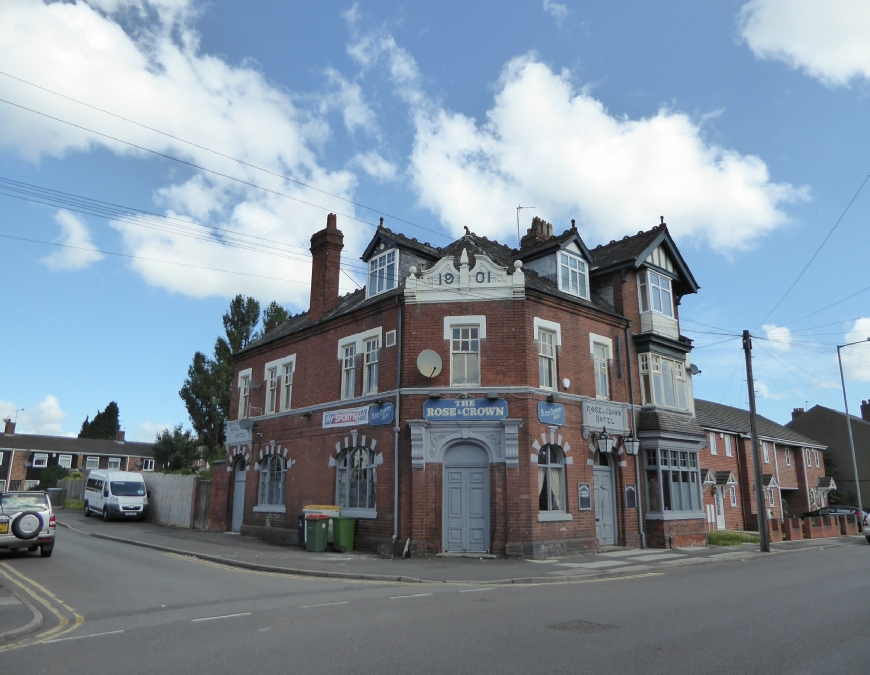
(465,554)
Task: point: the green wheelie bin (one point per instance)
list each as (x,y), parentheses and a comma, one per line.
(317,532)
(343,529)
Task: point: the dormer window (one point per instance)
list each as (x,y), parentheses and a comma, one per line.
(572,275)
(655,293)
(382,273)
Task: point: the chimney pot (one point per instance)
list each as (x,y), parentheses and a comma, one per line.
(540,231)
(119,437)
(326,248)
(796,412)
(10,426)
(865,410)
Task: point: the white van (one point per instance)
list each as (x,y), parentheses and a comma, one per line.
(116,494)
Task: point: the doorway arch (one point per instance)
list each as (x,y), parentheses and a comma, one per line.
(465,501)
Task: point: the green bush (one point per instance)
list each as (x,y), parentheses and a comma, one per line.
(74,475)
(726,538)
(49,477)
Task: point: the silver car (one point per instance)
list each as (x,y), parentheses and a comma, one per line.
(27,521)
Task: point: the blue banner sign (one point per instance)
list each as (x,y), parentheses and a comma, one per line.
(465,409)
(381,414)
(551,413)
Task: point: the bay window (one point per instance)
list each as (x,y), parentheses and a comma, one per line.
(656,294)
(663,381)
(673,481)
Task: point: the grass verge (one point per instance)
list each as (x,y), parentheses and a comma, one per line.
(74,505)
(731,538)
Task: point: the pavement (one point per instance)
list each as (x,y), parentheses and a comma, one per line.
(17,616)
(251,553)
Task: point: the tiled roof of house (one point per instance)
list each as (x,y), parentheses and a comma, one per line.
(736,420)
(75,446)
(662,420)
(625,250)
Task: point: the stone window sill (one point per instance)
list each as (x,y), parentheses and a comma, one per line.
(553,516)
(369,514)
(270,508)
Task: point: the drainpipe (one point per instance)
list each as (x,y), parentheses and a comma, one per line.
(639,493)
(397,428)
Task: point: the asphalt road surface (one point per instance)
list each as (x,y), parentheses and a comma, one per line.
(115,608)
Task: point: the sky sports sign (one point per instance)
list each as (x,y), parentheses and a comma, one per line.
(375,415)
(465,409)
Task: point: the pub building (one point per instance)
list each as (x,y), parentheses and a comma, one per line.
(475,398)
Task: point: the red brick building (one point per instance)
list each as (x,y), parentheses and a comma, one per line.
(458,402)
(793,469)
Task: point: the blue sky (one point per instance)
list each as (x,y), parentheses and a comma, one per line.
(744,124)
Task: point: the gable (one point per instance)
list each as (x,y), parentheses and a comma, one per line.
(572,246)
(660,258)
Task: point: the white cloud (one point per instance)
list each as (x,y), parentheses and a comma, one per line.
(856,359)
(46,418)
(157,74)
(827,39)
(557,10)
(147,431)
(548,144)
(75,234)
(779,336)
(375,166)
(764,391)
(348,97)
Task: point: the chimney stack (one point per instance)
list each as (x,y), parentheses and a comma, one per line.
(865,411)
(540,231)
(796,412)
(119,437)
(10,426)
(326,248)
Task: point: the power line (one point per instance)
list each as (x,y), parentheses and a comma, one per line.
(848,297)
(816,253)
(216,152)
(202,168)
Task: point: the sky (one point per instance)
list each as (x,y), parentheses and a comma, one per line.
(157,157)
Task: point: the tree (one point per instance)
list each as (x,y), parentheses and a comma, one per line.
(206,391)
(176,449)
(105,425)
(49,476)
(273,316)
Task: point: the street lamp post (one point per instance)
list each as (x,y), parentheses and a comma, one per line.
(849,424)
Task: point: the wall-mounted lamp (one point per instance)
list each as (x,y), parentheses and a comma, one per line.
(631,445)
(492,396)
(604,441)
(306,415)
(551,398)
(434,395)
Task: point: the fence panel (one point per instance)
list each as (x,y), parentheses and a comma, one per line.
(171,499)
(75,489)
(203,495)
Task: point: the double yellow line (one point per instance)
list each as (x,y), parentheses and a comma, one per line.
(38,593)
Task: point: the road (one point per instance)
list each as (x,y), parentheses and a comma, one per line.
(143,611)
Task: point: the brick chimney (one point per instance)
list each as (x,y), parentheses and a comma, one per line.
(119,437)
(540,231)
(865,410)
(796,412)
(326,248)
(10,426)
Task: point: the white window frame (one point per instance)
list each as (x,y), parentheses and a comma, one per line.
(818,461)
(390,339)
(88,462)
(40,460)
(348,370)
(733,491)
(539,324)
(114,461)
(546,340)
(713,449)
(579,273)
(651,287)
(787,456)
(379,275)
(729,451)
(601,368)
(771,498)
(147,465)
(651,366)
(371,357)
(812,498)
(358,340)
(456,353)
(343,480)
(270,491)
(65,461)
(284,394)
(765,451)
(552,470)
(661,494)
(808,457)
(272,392)
(244,385)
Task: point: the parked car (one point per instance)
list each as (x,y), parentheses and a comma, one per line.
(839,510)
(867,527)
(27,522)
(116,494)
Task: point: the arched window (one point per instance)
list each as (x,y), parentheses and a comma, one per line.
(551,479)
(356,479)
(272,471)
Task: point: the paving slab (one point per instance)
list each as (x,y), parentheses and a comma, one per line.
(659,556)
(16,616)
(598,564)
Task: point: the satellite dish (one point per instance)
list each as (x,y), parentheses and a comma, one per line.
(429,363)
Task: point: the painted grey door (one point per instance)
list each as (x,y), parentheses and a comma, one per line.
(605,526)
(239,497)
(466,502)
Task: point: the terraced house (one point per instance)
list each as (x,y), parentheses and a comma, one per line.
(475,398)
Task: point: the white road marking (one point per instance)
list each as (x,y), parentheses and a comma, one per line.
(81,637)
(225,616)
(475,590)
(415,595)
(326,604)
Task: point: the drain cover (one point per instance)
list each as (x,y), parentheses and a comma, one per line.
(583,627)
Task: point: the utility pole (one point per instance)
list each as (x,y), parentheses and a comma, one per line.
(849,424)
(760,502)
